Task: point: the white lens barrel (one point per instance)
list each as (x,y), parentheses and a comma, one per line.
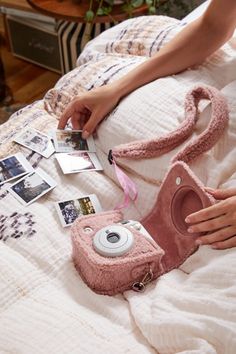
(111,248)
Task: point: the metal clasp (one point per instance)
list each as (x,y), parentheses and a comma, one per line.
(140,286)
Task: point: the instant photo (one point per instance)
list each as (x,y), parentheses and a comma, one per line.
(13,167)
(78,162)
(32,186)
(71,140)
(36,141)
(70,210)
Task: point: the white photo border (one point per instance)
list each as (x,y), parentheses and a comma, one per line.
(93,198)
(24,163)
(44,176)
(89,141)
(93,157)
(50,148)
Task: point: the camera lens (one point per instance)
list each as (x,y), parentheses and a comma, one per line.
(113,237)
(113,241)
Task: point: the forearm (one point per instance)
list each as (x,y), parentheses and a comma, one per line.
(190,47)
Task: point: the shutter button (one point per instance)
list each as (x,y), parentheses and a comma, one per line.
(87,229)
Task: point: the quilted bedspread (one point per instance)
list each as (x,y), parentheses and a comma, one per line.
(44,305)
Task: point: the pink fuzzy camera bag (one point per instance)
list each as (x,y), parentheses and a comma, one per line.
(181,194)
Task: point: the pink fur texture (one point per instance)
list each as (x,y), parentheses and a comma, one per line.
(111,275)
(156,147)
(181,194)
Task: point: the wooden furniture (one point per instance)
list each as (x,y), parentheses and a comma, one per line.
(2,81)
(31,35)
(25,81)
(32,41)
(73,10)
(22,5)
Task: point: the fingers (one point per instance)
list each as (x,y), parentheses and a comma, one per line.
(75,121)
(207,213)
(210,225)
(229,243)
(91,124)
(217,236)
(83,120)
(227,193)
(222,193)
(80,119)
(66,116)
(219,221)
(75,110)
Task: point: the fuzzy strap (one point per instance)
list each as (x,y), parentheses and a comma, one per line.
(205,141)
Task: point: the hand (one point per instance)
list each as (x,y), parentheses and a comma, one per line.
(89,109)
(219,220)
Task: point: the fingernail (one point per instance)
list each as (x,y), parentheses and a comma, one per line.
(187,219)
(198,242)
(85,134)
(190,230)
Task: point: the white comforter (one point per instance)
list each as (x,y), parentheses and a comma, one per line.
(44,305)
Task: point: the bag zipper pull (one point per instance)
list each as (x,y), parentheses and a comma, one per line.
(141,286)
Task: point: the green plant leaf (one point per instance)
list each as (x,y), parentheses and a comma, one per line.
(136,3)
(127,8)
(100,11)
(149,2)
(89,15)
(152,10)
(105,10)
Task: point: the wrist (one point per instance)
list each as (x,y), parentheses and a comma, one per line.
(120,88)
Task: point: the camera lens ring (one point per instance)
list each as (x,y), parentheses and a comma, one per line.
(113,237)
(104,247)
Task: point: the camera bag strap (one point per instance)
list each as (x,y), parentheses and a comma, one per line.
(180,194)
(158,146)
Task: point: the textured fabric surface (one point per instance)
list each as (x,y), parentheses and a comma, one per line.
(111,276)
(144,149)
(45,307)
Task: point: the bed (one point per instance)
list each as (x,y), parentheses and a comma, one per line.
(45,306)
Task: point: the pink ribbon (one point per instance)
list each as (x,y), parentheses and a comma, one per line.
(128,186)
